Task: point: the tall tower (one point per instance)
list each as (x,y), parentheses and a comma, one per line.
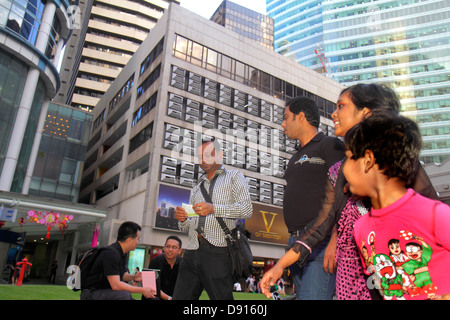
(32,34)
(403,43)
(246,22)
(110,32)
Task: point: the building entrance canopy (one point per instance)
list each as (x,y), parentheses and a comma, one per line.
(15,208)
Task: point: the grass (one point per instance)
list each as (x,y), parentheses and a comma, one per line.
(61,292)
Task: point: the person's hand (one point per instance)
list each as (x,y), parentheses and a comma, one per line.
(180,214)
(138,276)
(269,279)
(149,293)
(329,260)
(203,208)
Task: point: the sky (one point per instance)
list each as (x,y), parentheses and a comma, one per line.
(206,8)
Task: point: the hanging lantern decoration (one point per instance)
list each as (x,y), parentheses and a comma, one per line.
(22,222)
(50,219)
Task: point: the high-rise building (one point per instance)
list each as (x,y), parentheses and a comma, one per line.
(402,42)
(246,22)
(192,79)
(109,32)
(32,35)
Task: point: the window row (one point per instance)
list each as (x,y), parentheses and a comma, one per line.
(226,66)
(187,173)
(230,124)
(156,51)
(257,159)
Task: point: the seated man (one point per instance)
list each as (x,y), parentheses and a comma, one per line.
(112,265)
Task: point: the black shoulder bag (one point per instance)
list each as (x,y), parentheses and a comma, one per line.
(238,246)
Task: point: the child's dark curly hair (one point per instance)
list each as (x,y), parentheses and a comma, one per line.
(394,140)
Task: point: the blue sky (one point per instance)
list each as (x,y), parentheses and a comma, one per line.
(206,8)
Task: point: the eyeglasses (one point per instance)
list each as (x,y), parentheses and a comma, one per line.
(171,247)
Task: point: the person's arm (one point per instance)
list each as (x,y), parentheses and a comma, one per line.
(271,277)
(441,216)
(329,259)
(165,296)
(319,228)
(118,285)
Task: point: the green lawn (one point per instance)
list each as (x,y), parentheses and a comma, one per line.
(61,292)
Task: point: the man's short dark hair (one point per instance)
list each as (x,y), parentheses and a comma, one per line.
(394,140)
(176,239)
(307,106)
(128,229)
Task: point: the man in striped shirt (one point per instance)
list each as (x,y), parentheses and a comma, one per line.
(206,264)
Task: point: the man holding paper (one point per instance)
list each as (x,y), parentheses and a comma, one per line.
(206,264)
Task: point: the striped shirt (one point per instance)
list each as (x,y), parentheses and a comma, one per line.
(231,201)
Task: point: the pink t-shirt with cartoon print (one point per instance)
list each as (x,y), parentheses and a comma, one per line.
(405,248)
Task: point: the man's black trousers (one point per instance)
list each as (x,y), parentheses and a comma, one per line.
(207,268)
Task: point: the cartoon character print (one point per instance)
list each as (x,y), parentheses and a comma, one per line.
(402,271)
(419,255)
(391,280)
(396,253)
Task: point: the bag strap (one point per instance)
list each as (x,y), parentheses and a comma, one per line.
(208,199)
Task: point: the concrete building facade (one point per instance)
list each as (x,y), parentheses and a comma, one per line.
(109,32)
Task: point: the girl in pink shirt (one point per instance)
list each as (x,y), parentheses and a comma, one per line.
(382,156)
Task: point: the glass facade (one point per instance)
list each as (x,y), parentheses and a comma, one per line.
(28,138)
(12,79)
(24,18)
(246,22)
(59,163)
(405,43)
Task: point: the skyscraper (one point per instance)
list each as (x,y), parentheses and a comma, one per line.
(32,34)
(403,42)
(246,22)
(110,32)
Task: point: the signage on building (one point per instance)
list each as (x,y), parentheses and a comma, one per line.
(8,214)
(267,224)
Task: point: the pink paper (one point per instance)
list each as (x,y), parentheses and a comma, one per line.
(149,279)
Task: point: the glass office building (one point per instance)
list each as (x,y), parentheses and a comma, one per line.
(60,159)
(246,22)
(32,34)
(404,43)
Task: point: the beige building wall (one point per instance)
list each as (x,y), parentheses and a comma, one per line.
(111,31)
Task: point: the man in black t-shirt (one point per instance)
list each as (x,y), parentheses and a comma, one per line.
(112,265)
(306,177)
(168,264)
